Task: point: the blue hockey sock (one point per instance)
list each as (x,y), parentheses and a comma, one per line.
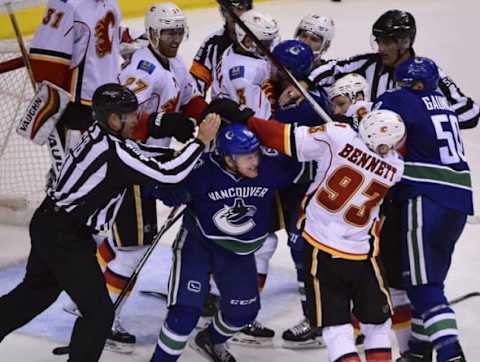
(222,328)
(176,329)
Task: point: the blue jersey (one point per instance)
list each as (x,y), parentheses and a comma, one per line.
(235,212)
(435,164)
(303,114)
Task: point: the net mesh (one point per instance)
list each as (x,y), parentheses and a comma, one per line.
(23,165)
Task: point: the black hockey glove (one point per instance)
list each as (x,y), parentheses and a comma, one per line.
(230,111)
(171,124)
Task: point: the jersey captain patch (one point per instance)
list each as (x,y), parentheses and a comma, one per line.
(146,66)
(237,72)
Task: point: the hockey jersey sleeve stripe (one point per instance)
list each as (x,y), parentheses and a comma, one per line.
(199,71)
(436,174)
(172,171)
(272,134)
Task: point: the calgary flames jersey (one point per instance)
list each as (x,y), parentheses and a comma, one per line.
(159,88)
(77,46)
(246,80)
(340,210)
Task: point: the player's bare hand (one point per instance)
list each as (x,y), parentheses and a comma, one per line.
(208,128)
(289,96)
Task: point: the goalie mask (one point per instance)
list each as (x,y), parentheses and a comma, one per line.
(166,26)
(321,27)
(113,98)
(382,130)
(263,26)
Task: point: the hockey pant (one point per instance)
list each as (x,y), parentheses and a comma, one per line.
(194,259)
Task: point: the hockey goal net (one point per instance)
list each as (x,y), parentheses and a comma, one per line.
(23,165)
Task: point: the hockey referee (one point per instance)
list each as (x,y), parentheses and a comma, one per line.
(84,199)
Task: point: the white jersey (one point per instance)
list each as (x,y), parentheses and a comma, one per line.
(246,80)
(77,46)
(342,206)
(159,88)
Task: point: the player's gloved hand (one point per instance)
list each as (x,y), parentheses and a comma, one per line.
(171,124)
(229,110)
(170,196)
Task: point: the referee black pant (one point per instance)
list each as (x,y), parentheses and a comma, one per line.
(62,257)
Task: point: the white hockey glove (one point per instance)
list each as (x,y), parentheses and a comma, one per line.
(43,113)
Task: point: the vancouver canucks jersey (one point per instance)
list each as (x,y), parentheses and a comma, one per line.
(435,163)
(235,212)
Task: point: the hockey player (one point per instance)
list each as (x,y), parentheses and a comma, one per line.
(340,224)
(350,98)
(297,57)
(243,75)
(76,47)
(435,197)
(162,83)
(318,32)
(393,37)
(228,218)
(86,197)
(209,54)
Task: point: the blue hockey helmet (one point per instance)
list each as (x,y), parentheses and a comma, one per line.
(418,69)
(296,56)
(236,139)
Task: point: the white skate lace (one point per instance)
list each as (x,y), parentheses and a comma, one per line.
(117,327)
(300,328)
(257,325)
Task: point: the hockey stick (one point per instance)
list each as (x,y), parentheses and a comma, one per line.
(324,115)
(172,218)
(8,5)
(464,297)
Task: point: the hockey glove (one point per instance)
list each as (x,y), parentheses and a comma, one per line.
(170,196)
(230,111)
(171,124)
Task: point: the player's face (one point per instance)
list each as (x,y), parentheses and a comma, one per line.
(341,104)
(246,165)
(169,41)
(313,41)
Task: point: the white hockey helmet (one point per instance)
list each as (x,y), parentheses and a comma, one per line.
(350,85)
(162,17)
(321,26)
(263,26)
(382,130)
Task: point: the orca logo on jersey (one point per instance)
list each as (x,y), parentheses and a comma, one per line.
(235,219)
(103,45)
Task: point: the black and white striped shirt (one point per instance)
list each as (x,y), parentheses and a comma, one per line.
(381,78)
(95,174)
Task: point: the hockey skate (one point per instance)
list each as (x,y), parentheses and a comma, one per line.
(119,340)
(212,352)
(302,336)
(254,335)
(210,308)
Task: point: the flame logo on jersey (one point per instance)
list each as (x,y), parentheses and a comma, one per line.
(171,104)
(103,45)
(235,219)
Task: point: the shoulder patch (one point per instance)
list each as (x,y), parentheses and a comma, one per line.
(237,72)
(146,66)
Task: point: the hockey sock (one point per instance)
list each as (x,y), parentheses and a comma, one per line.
(222,328)
(262,279)
(297,256)
(401,318)
(340,343)
(441,327)
(105,253)
(180,322)
(377,341)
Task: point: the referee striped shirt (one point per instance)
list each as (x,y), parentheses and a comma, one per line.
(95,174)
(381,79)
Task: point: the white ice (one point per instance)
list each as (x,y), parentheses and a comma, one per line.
(448,33)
